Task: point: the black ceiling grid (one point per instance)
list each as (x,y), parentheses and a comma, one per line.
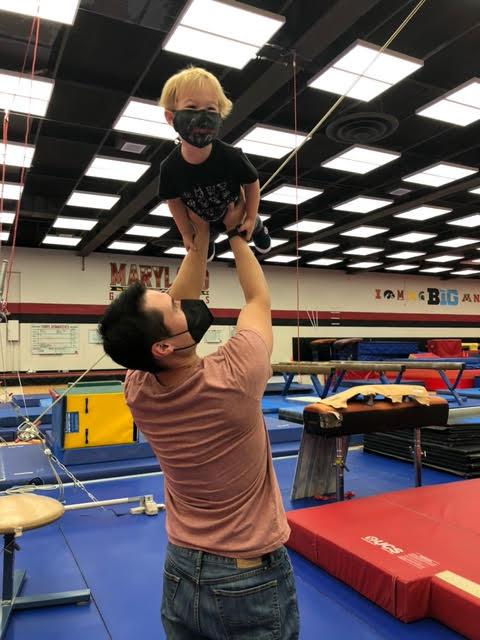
(114,52)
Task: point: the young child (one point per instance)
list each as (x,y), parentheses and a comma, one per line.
(202,173)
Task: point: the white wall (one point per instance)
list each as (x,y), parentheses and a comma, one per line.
(64,281)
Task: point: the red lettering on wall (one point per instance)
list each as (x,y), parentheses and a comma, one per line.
(117,274)
(133,275)
(146,275)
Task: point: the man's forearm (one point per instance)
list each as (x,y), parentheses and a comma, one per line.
(191,275)
(250,274)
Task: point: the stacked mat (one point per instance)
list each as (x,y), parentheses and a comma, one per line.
(455,449)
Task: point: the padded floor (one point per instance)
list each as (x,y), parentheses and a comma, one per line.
(411,552)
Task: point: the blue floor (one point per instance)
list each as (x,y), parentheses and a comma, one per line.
(120,558)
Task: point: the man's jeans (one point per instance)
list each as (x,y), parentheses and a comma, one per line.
(212,597)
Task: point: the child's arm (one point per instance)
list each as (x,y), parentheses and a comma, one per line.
(252,200)
(180,214)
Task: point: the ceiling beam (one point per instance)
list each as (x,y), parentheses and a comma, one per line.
(341,17)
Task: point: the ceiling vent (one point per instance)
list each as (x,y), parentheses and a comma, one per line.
(361,128)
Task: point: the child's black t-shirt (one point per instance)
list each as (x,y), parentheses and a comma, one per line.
(207,188)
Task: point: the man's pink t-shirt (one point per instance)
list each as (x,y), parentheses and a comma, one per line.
(209,436)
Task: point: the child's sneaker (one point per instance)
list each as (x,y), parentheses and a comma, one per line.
(261,238)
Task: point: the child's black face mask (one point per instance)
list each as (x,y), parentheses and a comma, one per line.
(197,127)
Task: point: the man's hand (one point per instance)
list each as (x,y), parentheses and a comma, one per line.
(247,228)
(235,213)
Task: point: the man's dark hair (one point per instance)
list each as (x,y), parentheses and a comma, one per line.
(128,331)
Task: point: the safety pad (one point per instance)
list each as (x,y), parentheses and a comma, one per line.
(395,549)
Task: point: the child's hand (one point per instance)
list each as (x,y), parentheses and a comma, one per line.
(247,228)
(189,241)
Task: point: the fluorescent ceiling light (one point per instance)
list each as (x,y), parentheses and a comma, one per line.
(364,231)
(457,242)
(232,38)
(277,242)
(80,224)
(423,213)
(406,255)
(465,272)
(365,265)
(4,236)
(444,259)
(460,106)
(360,159)
(282,259)
(318,247)
(269,142)
(126,246)
(10,191)
(92,200)
(413,237)
(435,270)
(468,221)
(325,262)
(308,226)
(16,155)
(24,95)
(362,204)
(289,194)
(145,230)
(64,11)
(475,191)
(221,238)
(111,169)
(228,255)
(145,118)
(61,241)
(403,267)
(440,174)
(161,210)
(370,72)
(7,217)
(263,218)
(363,251)
(177,251)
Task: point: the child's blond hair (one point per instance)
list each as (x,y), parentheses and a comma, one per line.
(193,78)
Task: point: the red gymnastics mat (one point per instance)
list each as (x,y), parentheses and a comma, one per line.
(416,553)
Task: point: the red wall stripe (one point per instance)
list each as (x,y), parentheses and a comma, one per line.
(277,314)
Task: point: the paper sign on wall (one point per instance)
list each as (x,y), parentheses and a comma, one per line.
(54,339)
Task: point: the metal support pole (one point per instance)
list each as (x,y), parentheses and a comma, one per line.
(417,454)
(8,566)
(340,469)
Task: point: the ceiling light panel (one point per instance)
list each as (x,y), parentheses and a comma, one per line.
(147,231)
(10,191)
(145,118)
(406,255)
(111,169)
(63,11)
(455,243)
(403,267)
(444,259)
(126,246)
(420,214)
(16,155)
(282,259)
(61,241)
(360,159)
(435,270)
(471,221)
(80,224)
(228,255)
(177,251)
(269,142)
(364,232)
(309,226)
(7,217)
(465,272)
(363,251)
(365,265)
(231,39)
(362,204)
(24,95)
(289,194)
(439,174)
(475,191)
(362,72)
(413,237)
(92,200)
(460,106)
(4,236)
(161,210)
(325,262)
(318,247)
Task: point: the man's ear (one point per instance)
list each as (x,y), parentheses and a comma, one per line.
(162,349)
(169,117)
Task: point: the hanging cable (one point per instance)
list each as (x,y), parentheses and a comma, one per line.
(297,238)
